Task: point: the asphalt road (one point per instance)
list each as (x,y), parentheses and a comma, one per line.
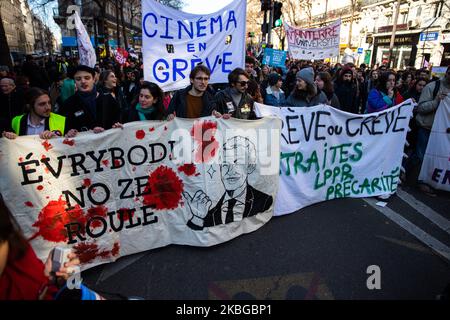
(321,252)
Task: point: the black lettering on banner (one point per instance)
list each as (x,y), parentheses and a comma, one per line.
(318,125)
(162,156)
(282,134)
(111,216)
(90,232)
(308,135)
(96,186)
(79,163)
(131,224)
(396,120)
(80,201)
(147,215)
(130,152)
(46,162)
(291,129)
(347,127)
(142,183)
(77,232)
(115,158)
(26,172)
(98,160)
(124,190)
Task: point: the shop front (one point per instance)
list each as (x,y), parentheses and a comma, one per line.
(404,51)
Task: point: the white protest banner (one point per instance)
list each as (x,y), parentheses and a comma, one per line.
(85,49)
(435,169)
(190,182)
(174,42)
(314,44)
(327,153)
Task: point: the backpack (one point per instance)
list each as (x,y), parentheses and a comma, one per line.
(436,88)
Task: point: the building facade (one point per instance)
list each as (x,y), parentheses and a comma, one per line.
(102,23)
(422,30)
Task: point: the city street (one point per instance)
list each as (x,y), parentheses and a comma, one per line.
(321,252)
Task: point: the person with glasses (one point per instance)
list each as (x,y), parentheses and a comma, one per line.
(235,99)
(195,100)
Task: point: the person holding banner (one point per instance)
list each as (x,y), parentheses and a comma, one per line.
(235,100)
(85,110)
(38,119)
(149,103)
(432,95)
(305,93)
(195,100)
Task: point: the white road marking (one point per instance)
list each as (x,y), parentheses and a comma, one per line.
(430,241)
(424,210)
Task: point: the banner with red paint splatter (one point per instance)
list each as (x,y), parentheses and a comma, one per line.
(151,184)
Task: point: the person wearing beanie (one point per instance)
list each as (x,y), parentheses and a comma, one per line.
(305,93)
(86,110)
(274,95)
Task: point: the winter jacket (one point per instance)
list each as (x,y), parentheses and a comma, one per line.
(319,98)
(223,103)
(271,100)
(178,104)
(428,105)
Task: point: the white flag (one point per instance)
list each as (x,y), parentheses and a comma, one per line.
(85,48)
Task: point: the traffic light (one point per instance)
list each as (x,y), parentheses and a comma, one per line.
(277,14)
(265,5)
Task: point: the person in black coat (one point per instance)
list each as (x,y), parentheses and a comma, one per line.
(87,109)
(11,103)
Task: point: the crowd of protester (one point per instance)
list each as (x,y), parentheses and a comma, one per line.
(57,97)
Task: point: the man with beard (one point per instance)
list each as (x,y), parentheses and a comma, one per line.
(39,120)
(235,100)
(346,91)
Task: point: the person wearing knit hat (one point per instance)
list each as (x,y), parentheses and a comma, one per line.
(305,93)
(307,75)
(274,95)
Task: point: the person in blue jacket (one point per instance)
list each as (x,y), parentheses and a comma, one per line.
(274,95)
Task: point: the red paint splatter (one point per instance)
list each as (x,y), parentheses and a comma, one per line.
(88,252)
(116,248)
(40,188)
(165,128)
(188,169)
(29,204)
(105,162)
(203,133)
(134,169)
(117,163)
(163,189)
(69,142)
(151,129)
(126,216)
(93,190)
(27,167)
(47,145)
(45,169)
(99,211)
(20,159)
(140,134)
(53,218)
(87,182)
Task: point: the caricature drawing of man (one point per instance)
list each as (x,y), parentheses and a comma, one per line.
(240,199)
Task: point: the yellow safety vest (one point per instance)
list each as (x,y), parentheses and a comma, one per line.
(55,123)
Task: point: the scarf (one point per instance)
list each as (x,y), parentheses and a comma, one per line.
(89,100)
(143,113)
(388,100)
